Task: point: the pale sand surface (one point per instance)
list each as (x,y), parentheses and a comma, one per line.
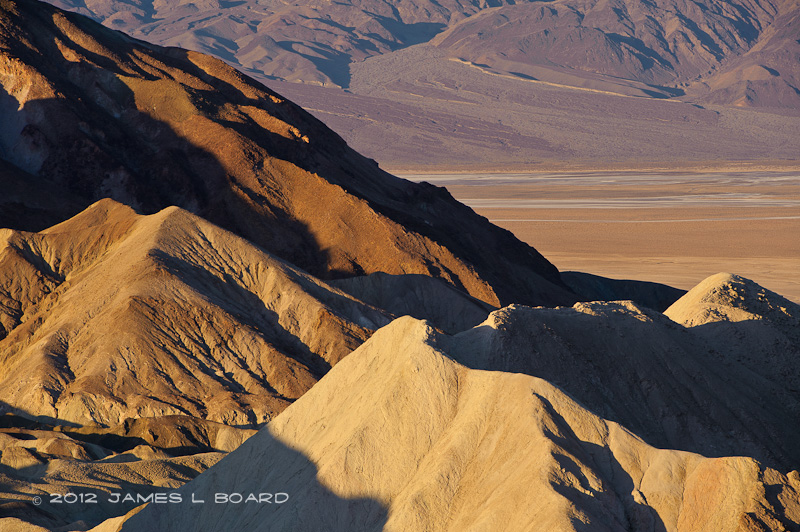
(673,228)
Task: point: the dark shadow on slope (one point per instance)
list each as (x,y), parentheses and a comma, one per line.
(406,34)
(28,202)
(176,435)
(27,210)
(644,293)
(523,76)
(654,377)
(646,55)
(262,465)
(16,417)
(768,349)
(603,506)
(419,296)
(331,62)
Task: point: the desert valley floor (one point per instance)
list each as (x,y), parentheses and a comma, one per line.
(671,227)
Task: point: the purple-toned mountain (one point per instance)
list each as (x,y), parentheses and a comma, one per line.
(717,51)
(103,115)
(743,52)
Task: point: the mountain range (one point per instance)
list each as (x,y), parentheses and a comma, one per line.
(101,115)
(738,52)
(478,81)
(204,290)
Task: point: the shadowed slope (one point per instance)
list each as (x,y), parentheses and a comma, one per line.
(112,315)
(762,327)
(444,447)
(30,203)
(670,385)
(106,116)
(418,296)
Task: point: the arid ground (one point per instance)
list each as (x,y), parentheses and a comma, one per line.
(673,228)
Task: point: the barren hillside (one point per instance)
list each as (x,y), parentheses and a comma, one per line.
(491,85)
(112,315)
(446,447)
(103,115)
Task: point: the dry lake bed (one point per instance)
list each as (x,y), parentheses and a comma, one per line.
(673,228)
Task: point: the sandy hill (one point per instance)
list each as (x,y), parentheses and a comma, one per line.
(674,387)
(112,315)
(103,115)
(762,327)
(399,436)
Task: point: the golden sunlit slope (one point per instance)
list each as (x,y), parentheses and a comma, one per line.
(399,436)
(104,115)
(112,315)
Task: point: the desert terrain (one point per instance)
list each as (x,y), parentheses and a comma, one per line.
(425,86)
(675,228)
(215,314)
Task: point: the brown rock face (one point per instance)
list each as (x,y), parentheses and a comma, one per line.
(112,315)
(103,115)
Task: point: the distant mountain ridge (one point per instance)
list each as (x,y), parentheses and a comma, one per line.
(500,85)
(739,53)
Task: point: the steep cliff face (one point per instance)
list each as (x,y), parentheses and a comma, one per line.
(103,115)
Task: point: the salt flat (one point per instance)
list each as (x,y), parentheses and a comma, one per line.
(675,228)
